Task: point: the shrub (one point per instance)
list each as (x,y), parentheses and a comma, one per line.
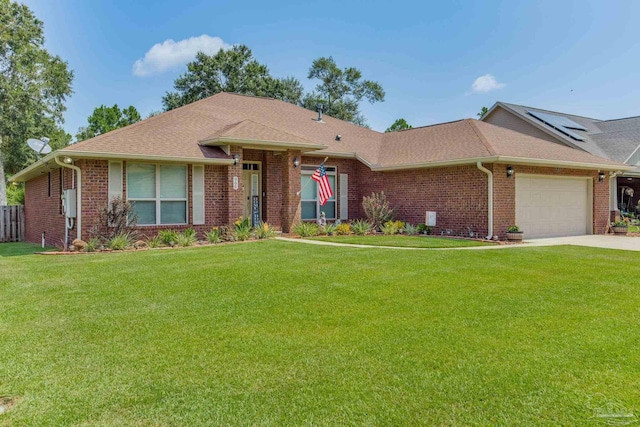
(168,237)
(424,229)
(15,194)
(187,238)
(154,242)
(120,241)
(343,229)
(389,228)
(377,209)
(361,227)
(116,218)
(92,244)
(213,236)
(513,229)
(410,230)
(264,231)
(330,229)
(242,229)
(306,229)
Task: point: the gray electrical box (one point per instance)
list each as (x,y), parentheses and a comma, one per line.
(69,203)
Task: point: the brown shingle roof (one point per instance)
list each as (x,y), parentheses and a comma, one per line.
(181,133)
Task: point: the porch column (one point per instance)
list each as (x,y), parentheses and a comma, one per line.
(290,190)
(233,188)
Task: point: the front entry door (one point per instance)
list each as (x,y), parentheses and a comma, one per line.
(252,208)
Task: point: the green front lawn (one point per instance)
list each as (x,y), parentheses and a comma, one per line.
(403,241)
(634,229)
(278,333)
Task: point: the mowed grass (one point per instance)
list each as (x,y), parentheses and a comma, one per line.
(278,333)
(403,241)
(634,229)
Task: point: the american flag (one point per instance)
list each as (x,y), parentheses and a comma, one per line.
(324,188)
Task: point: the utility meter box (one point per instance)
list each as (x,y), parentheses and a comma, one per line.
(430,219)
(69,203)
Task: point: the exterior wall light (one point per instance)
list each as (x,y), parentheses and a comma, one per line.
(68,160)
(509,171)
(600,176)
(236,159)
(296,162)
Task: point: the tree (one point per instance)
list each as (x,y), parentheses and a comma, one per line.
(233,70)
(105,119)
(341,91)
(33,88)
(399,124)
(483,112)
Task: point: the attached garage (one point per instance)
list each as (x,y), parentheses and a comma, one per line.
(551,206)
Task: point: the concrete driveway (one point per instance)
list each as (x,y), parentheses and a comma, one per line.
(605,241)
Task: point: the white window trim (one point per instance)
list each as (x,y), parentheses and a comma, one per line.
(157,199)
(334,198)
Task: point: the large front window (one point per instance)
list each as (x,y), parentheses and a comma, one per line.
(311,207)
(158,193)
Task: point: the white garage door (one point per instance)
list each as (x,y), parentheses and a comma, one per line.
(552,207)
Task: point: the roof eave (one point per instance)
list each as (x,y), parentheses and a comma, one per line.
(31,171)
(257,143)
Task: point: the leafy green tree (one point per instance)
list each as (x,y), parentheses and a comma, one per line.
(341,91)
(105,119)
(33,88)
(483,112)
(233,70)
(399,124)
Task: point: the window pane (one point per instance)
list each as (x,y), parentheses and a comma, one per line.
(173,182)
(309,188)
(141,181)
(332,182)
(308,210)
(173,212)
(146,212)
(329,210)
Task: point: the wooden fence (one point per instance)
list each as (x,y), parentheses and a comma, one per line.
(11,224)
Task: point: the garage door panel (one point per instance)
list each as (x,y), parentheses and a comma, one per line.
(549,207)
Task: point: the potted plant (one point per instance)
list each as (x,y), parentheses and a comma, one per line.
(514,234)
(620,227)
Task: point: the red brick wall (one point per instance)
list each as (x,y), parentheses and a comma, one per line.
(43,212)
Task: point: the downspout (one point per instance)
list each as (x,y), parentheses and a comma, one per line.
(489,198)
(78,196)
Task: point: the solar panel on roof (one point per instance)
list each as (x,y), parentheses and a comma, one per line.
(560,123)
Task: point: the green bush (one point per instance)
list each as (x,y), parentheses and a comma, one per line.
(15,194)
(389,228)
(410,230)
(187,238)
(154,242)
(361,227)
(213,236)
(242,229)
(306,229)
(264,231)
(92,244)
(120,241)
(168,237)
(424,229)
(330,229)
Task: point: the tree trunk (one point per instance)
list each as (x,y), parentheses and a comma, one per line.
(3,182)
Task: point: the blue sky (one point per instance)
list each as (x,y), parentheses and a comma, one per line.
(581,57)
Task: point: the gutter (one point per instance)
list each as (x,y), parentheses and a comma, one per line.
(489,198)
(78,196)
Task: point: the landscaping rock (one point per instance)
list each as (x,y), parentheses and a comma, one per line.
(80,245)
(72,248)
(140,244)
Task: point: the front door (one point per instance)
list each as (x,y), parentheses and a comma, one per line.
(252,193)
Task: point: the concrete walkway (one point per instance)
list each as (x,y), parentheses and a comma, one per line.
(595,241)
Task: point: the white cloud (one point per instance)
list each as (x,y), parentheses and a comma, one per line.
(486,83)
(169,54)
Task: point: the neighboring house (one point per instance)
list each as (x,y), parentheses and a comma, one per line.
(617,139)
(226,156)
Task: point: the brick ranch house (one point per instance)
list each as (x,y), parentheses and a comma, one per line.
(226,156)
